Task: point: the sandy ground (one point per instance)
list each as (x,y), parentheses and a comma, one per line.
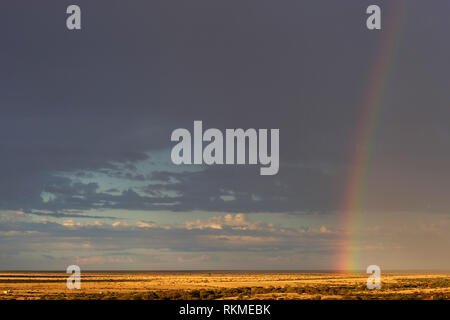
(98,285)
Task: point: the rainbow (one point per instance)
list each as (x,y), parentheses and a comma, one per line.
(352,205)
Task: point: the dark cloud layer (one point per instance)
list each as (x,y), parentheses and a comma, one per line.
(68,215)
(112,93)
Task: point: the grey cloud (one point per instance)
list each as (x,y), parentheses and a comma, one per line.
(177,238)
(68,215)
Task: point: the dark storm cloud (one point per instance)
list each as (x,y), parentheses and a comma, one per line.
(113,92)
(243,190)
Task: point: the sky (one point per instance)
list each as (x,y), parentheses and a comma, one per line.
(86,118)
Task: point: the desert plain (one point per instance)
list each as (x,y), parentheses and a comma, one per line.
(217,285)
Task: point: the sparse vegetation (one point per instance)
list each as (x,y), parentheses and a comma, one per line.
(222,285)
